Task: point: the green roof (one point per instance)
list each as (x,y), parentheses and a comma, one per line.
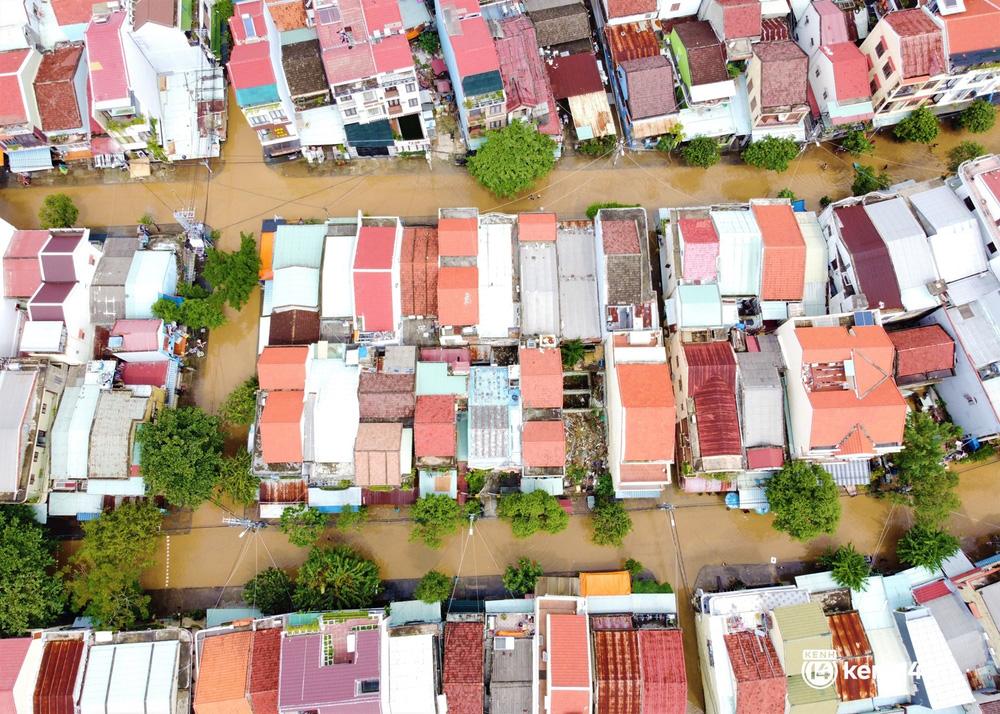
(699,306)
(800,693)
(376,133)
(433,378)
(798,622)
(483,83)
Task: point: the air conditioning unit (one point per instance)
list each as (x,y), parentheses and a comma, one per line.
(503,644)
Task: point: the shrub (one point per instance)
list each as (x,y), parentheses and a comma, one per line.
(58,211)
(240,406)
(611,523)
(521,579)
(335,579)
(597,147)
(435,517)
(787,193)
(701,151)
(270,591)
(303,525)
(848,567)
(804,500)
(920,126)
(966,151)
(857,143)
(593,208)
(433,587)
(866,180)
(926,547)
(529,513)
(978,117)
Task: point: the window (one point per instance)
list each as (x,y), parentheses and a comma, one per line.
(81,335)
(44,407)
(991,248)
(753,104)
(368,686)
(369,96)
(496,109)
(327,654)
(826,94)
(414,102)
(675,7)
(817,72)
(350,112)
(411,86)
(880,49)
(749,86)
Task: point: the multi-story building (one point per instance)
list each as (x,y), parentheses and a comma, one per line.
(777,89)
(20,125)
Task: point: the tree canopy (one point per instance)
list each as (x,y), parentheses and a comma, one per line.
(803,498)
(701,151)
(512,159)
(336,578)
(925,484)
(351,519)
(103,575)
(236,480)
(181,455)
(31,588)
(58,211)
(303,524)
(529,513)
(270,591)
(866,180)
(965,151)
(435,586)
(856,143)
(978,117)
(848,567)
(233,276)
(921,126)
(240,407)
(772,153)
(572,352)
(435,517)
(198,308)
(521,579)
(926,547)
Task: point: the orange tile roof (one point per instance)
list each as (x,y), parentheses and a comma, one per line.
(289,15)
(222,675)
(266,255)
(569,651)
(543,444)
(648,400)
(458,295)
(458,237)
(645,385)
(615,582)
(376,454)
(282,367)
(975,29)
(536,226)
(784,272)
(280,427)
(541,378)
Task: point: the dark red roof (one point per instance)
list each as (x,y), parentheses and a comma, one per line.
(931,591)
(706,57)
(625,8)
(55,89)
(617,671)
(760,679)
(876,277)
(774,29)
(784,70)
(386,397)
(265,659)
(765,457)
(646,78)
(631,40)
(574,75)
(57,677)
(921,350)
(664,679)
(620,237)
(740,18)
(921,43)
(463,667)
(153,374)
(712,385)
(418,266)
(294,327)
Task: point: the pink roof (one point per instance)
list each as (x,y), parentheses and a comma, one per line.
(850,71)
(382,14)
(458,237)
(392,54)
(525,80)
(373,300)
(12,110)
(138,335)
(255,9)
(701,249)
(931,591)
(108,80)
(153,374)
(543,444)
(569,652)
(765,457)
(541,378)
(375,248)
(536,227)
(12,654)
(72,12)
(434,426)
(250,66)
(22,270)
(620,237)
(475,52)
(992,181)
(350,49)
(832,23)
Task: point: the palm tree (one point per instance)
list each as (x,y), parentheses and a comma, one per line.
(572,353)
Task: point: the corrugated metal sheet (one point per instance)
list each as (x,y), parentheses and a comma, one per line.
(283,491)
(856,472)
(849,638)
(299,245)
(955,238)
(740,252)
(411,673)
(908,251)
(93,697)
(869,256)
(712,385)
(539,289)
(57,677)
(152,272)
(581,319)
(296,287)
(616,660)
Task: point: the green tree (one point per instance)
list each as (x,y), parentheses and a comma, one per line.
(31,590)
(848,567)
(240,407)
(925,484)
(669,141)
(979,117)
(476,480)
(611,523)
(146,220)
(352,519)
(594,208)
(58,211)
(103,575)
(772,153)
(303,525)
(605,488)
(434,518)
(335,579)
(598,146)
(866,180)
(199,308)
(529,513)
(701,151)
(236,480)
(233,276)
(429,42)
(921,126)
(634,567)
(926,547)
(435,586)
(521,579)
(572,353)
(787,193)
(965,151)
(856,143)
(803,498)
(270,591)
(512,159)
(181,455)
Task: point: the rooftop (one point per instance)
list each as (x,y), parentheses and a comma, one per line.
(972,30)
(525,82)
(294,327)
(712,385)
(21,267)
(872,264)
(302,64)
(282,367)
(458,237)
(541,378)
(706,56)
(471,41)
(250,66)
(462,674)
(106,59)
(648,399)
(386,397)
(664,679)
(543,444)
(574,76)
(760,679)
(419,271)
(648,80)
(700,249)
(921,43)
(850,70)
(281,427)
(784,70)
(56,683)
(923,350)
(377,454)
(558,25)
(434,426)
(55,89)
(458,295)
(784,267)
(740,18)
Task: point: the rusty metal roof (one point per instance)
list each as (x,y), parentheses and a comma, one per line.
(849,638)
(854,651)
(283,491)
(632,40)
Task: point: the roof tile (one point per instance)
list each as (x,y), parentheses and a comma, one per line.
(463,667)
(55,89)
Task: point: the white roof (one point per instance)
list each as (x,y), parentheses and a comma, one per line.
(17,394)
(73,439)
(539,288)
(299,245)
(581,312)
(978,326)
(816,254)
(152,272)
(636,602)
(892,673)
(955,238)
(69,503)
(129,678)
(340,497)
(132,486)
(908,250)
(496,272)
(740,252)
(296,287)
(336,412)
(42,336)
(944,682)
(411,674)
(59,434)
(338,283)
(162,685)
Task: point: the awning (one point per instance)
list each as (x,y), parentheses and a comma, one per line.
(373,134)
(856,472)
(36,159)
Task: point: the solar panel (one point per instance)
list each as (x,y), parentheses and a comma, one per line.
(248,27)
(864,318)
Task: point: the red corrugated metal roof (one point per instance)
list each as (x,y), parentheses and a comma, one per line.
(285,490)
(760,678)
(282,367)
(765,457)
(458,296)
(458,237)
(569,651)
(712,385)
(574,76)
(850,71)
(463,667)
(876,276)
(57,677)
(375,248)
(631,40)
(373,301)
(664,679)
(434,426)
(931,591)
(853,650)
(618,672)
(250,66)
(108,79)
(536,227)
(153,374)
(281,427)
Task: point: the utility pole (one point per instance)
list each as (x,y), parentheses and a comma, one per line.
(248,526)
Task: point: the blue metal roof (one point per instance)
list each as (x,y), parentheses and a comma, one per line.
(36,159)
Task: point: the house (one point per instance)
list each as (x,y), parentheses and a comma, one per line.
(317,119)
(908,250)
(560,26)
(798,629)
(419,271)
(705,383)
(281,373)
(741,252)
(139,341)
(577,85)
(151,275)
(649,105)
(953,233)
(474,67)
(783,257)
(21,657)
(107,291)
(842,400)
(853,650)
(412,667)
(736,22)
(641,413)
(298,256)
(371,72)
(814,300)
(945,684)
(293,327)
(112,436)
(525,81)
(971,48)
(701,62)
(136,676)
(220,686)
(923,355)
(760,684)
(821,23)
(265,669)
(434,428)
(385,397)
(838,83)
(21,267)
(498,319)
(566,646)
(462,676)
(639,670)
(537,257)
(777,82)
(543,445)
(19,119)
(376,276)
(57,686)
(510,676)
(578,286)
(494,419)
(623,276)
(63,107)
(541,378)
(383,453)
(761,395)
